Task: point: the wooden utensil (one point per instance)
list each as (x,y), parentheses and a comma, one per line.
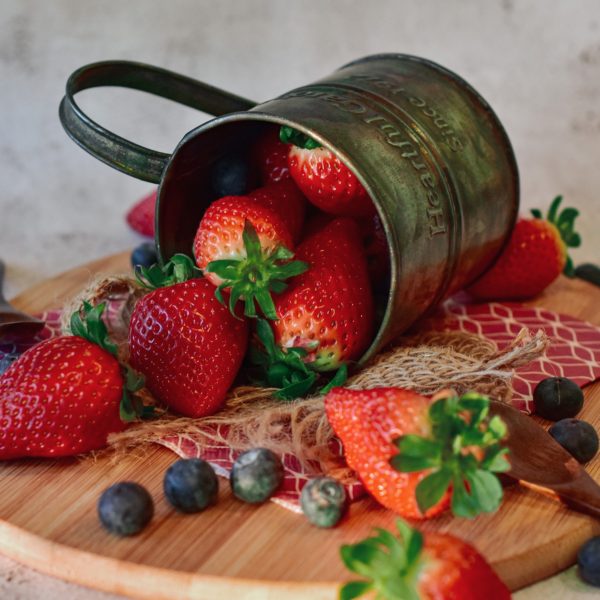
(542,464)
(15,324)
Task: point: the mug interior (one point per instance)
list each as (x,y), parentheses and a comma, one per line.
(186,192)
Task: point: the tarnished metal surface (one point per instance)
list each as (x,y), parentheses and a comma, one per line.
(430,151)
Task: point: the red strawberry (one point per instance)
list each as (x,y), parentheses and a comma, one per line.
(63,396)
(243,244)
(141,215)
(420,566)
(324,179)
(188,345)
(270,154)
(535,256)
(287,201)
(410,450)
(329,308)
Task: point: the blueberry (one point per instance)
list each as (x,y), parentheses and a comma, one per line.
(125,508)
(579,438)
(588,559)
(230,176)
(144,255)
(557,398)
(191,485)
(256,475)
(588,272)
(6,360)
(323,501)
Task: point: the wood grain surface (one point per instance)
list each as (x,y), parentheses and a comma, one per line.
(48,513)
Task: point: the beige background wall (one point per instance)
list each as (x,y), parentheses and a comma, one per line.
(536,62)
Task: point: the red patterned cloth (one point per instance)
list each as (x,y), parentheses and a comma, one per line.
(574,353)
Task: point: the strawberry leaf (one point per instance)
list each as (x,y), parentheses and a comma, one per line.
(178,269)
(289,135)
(569,269)
(463,448)
(285,368)
(126,411)
(87,323)
(462,503)
(565,224)
(340,377)
(389,564)
(553,210)
(256,276)
(296,389)
(485,489)
(537,213)
(354,589)
(430,490)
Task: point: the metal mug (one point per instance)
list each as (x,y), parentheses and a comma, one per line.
(427,147)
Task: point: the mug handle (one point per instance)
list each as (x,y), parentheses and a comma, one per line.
(116,151)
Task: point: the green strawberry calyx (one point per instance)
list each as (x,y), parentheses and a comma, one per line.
(286,368)
(564,221)
(289,135)
(88,324)
(178,269)
(463,453)
(253,278)
(389,564)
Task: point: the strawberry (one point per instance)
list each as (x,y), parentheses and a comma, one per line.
(65,395)
(287,201)
(186,343)
(244,245)
(535,256)
(271,156)
(415,455)
(323,178)
(141,215)
(419,566)
(328,309)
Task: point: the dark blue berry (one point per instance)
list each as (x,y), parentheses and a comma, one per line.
(230,176)
(323,501)
(191,485)
(144,255)
(6,360)
(557,398)
(125,508)
(256,475)
(589,272)
(579,438)
(588,559)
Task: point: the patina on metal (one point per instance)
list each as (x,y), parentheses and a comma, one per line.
(429,150)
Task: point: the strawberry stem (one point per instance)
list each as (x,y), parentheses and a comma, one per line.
(390,564)
(253,278)
(463,453)
(178,269)
(564,221)
(88,324)
(289,135)
(285,369)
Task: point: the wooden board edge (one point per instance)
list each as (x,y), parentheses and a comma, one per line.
(537,571)
(141,581)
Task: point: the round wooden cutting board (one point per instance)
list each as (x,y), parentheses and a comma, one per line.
(48,513)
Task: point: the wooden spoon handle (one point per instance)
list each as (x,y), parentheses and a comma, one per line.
(582,494)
